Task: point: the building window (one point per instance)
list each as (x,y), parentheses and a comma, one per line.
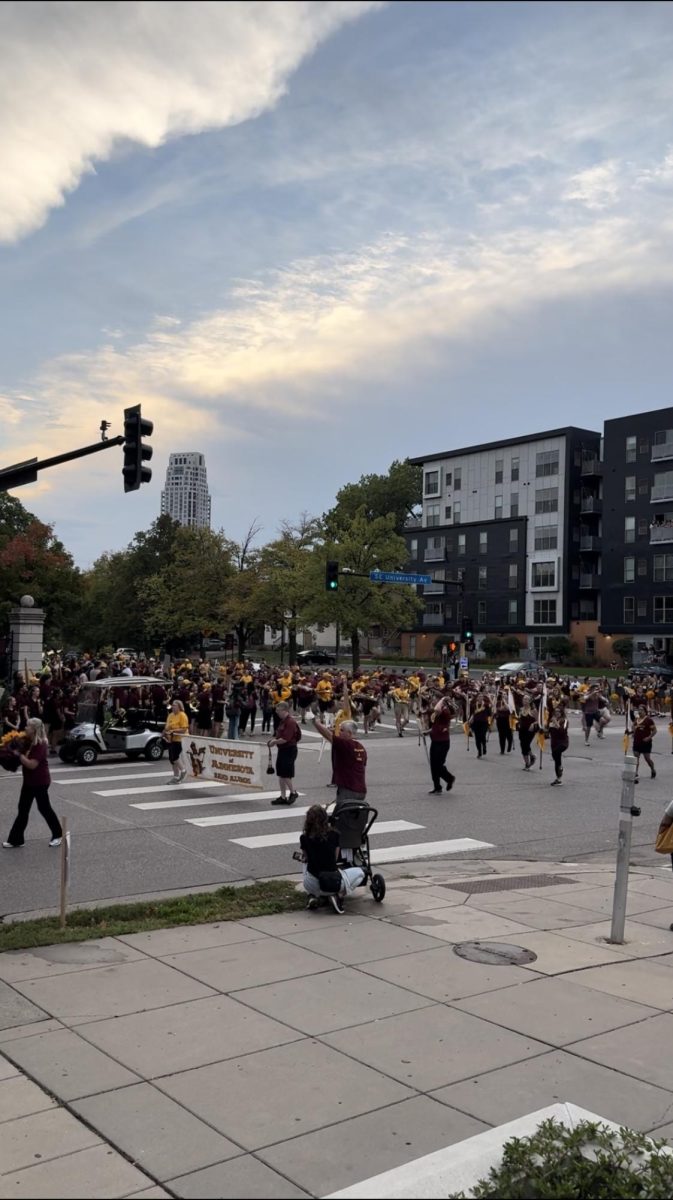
(449,545)
(457,479)
(481,612)
(513,575)
(631,446)
(546,500)
(413,547)
(662,437)
(546,463)
(449,478)
(513,541)
(630,610)
(642,608)
(499,469)
(543,575)
(461,543)
(448,611)
(456,512)
(642,567)
(643,487)
(546,538)
(515,471)
(447,512)
(514,504)
(432,483)
(432,515)
(644,446)
(590,647)
(483,578)
(663,610)
(460,574)
(513,612)
(483,542)
(663,568)
(498,508)
(544,612)
(629,569)
(629,529)
(629,488)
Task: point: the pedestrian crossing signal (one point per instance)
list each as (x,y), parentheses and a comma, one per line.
(331,576)
(452,647)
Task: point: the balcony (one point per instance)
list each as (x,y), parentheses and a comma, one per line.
(662,451)
(661,491)
(661,534)
(591,506)
(590,544)
(592,466)
(434,619)
(413,523)
(435,554)
(437,587)
(590,581)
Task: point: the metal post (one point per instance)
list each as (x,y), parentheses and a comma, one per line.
(627,811)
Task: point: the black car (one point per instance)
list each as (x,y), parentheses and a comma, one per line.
(658,669)
(317,657)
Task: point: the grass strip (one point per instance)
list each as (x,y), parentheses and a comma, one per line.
(226,904)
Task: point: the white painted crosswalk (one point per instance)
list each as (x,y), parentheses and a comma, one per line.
(196,801)
(268,814)
(199,784)
(287,839)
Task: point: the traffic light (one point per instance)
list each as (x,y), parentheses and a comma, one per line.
(452,647)
(331,576)
(135,452)
(466,631)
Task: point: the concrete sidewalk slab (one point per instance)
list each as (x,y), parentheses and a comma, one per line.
(67,1065)
(352,944)
(245,1178)
(16,1009)
(639,1050)
(46,961)
(531,911)
(87,1175)
(645,980)
(249,964)
(160,943)
(460,924)
(442,976)
(558,954)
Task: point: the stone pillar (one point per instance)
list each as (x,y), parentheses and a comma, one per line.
(26,625)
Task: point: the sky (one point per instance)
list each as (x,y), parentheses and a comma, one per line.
(310,238)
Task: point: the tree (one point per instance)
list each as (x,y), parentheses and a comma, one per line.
(14,518)
(624,648)
(240,603)
(511,644)
(398,493)
(289,578)
(362,545)
(492,647)
(559,647)
(184,598)
(33,561)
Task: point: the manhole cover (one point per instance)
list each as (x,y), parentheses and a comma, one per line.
(495,954)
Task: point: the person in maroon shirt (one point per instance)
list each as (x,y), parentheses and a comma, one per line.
(36,780)
(440,742)
(349,761)
(286,738)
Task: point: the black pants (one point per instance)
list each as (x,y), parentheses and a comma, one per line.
(245,713)
(505,737)
(480,730)
(40,794)
(267,714)
(557,756)
(438,753)
(526,742)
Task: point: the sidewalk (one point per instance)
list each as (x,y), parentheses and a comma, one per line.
(296,1055)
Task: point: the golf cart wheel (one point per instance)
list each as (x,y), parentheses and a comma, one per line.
(378,888)
(87,756)
(66,754)
(133,754)
(155,750)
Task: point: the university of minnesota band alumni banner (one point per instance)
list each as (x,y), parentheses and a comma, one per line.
(224,761)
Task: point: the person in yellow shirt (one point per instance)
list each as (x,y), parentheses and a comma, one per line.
(400,695)
(176,727)
(325,693)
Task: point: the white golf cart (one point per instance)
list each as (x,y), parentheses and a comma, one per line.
(100,731)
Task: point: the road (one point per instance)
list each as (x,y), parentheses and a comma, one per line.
(134,834)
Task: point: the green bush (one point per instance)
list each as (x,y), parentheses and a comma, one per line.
(492,647)
(590,1162)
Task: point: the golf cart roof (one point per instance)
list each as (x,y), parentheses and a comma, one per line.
(123,681)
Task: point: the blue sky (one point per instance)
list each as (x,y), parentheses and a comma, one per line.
(313,237)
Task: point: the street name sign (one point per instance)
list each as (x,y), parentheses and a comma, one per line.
(398,577)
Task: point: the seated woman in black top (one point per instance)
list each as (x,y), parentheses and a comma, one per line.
(320,849)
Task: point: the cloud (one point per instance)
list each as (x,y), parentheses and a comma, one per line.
(78,80)
(597,187)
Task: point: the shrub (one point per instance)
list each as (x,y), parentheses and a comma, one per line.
(624,648)
(492,647)
(590,1162)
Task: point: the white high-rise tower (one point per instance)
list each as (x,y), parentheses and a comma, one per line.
(185,497)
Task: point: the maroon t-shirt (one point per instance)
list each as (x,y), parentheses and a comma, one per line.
(289,731)
(39,776)
(349,760)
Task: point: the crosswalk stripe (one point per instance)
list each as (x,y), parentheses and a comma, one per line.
(197,801)
(392,854)
(286,839)
(106,778)
(162,787)
(274,814)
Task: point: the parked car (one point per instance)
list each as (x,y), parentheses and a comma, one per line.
(214,643)
(658,669)
(516,668)
(316,657)
(134,733)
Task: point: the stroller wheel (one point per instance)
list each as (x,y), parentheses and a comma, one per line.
(378,888)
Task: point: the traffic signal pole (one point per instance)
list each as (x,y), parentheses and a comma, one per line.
(26,472)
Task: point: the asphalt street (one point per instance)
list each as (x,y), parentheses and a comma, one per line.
(135,834)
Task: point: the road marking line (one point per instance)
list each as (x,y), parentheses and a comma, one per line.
(197,801)
(286,839)
(162,787)
(391,854)
(106,778)
(242,818)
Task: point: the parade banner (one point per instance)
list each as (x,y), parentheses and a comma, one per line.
(224,761)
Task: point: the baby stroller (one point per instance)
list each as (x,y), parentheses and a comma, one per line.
(353,821)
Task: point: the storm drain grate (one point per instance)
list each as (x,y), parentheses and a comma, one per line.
(508,885)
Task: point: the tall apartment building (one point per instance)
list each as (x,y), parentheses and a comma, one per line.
(638,530)
(185,496)
(518,521)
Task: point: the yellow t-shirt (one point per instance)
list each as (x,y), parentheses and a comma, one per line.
(324,689)
(177,726)
(401,695)
(414,683)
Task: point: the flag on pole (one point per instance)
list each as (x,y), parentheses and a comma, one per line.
(512,708)
(627,731)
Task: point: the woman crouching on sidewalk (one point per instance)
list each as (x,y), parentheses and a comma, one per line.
(320,851)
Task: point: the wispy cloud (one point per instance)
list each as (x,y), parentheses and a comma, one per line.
(137,71)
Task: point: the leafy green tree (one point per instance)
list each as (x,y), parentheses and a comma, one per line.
(33,561)
(240,608)
(184,598)
(361,545)
(511,645)
(398,493)
(14,518)
(624,648)
(492,647)
(559,647)
(288,571)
